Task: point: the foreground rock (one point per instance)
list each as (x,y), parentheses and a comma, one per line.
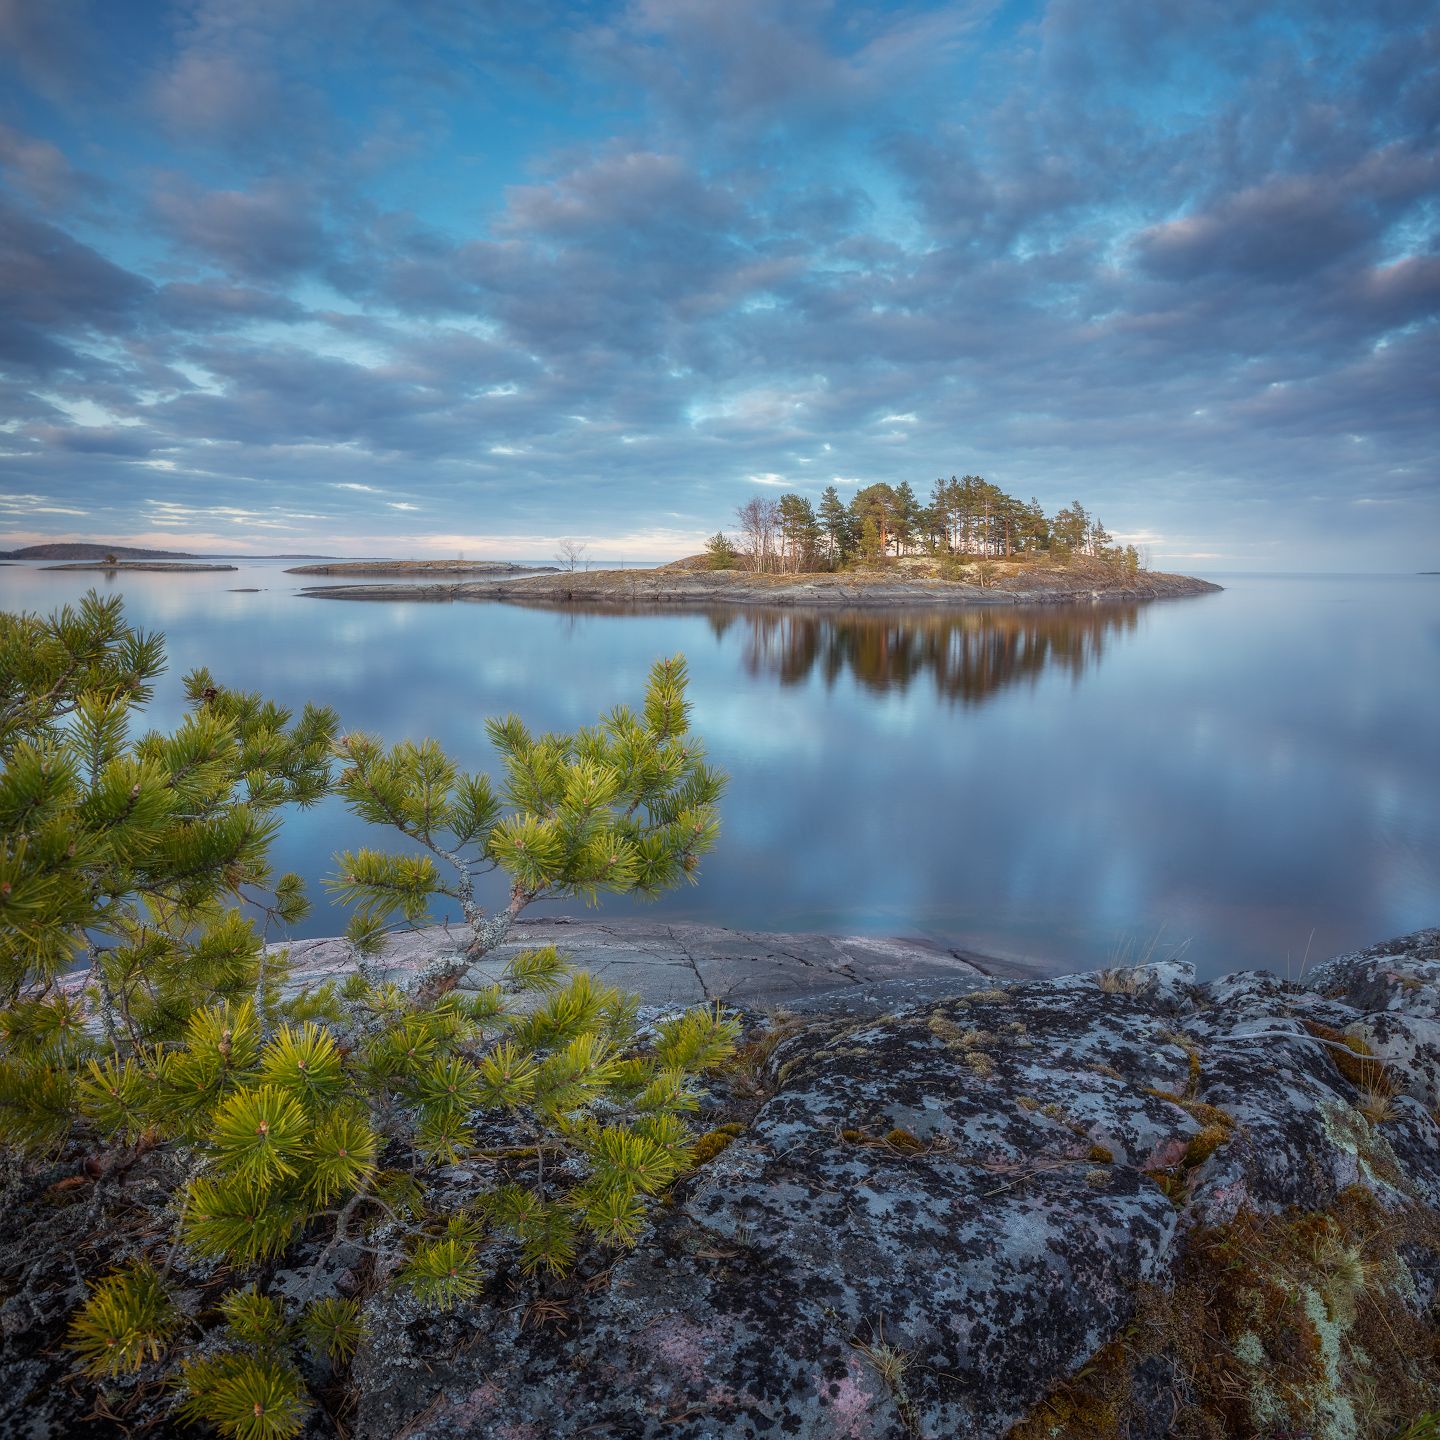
(1116,1204)
(1080,582)
(932,1204)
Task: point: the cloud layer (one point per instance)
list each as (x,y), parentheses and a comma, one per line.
(394,277)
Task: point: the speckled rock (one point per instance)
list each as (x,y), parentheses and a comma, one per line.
(939,1215)
(1396,989)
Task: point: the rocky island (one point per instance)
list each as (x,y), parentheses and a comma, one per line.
(161,567)
(909,581)
(490,568)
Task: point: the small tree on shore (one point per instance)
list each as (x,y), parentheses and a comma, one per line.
(625,807)
(721,553)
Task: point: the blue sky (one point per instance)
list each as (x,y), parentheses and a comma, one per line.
(434,276)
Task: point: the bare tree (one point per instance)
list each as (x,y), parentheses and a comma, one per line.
(570,553)
(759,523)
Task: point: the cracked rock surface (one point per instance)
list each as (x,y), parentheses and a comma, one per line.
(674,964)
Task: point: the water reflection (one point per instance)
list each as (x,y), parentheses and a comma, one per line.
(1252,771)
(969,655)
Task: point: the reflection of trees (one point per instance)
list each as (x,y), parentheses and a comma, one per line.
(969,653)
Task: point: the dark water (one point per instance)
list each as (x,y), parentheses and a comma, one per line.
(1253,774)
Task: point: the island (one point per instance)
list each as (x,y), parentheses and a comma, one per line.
(970,544)
(475,568)
(911,581)
(159,566)
(92,550)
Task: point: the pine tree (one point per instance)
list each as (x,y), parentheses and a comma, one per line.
(721,552)
(799,532)
(875,504)
(835,523)
(321,1115)
(626,807)
(907,517)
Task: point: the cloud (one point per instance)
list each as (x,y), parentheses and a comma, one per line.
(23,505)
(58,285)
(270,232)
(213,305)
(540,268)
(54,44)
(40,170)
(98,439)
(1282,231)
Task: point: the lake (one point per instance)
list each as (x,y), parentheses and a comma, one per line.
(1252,776)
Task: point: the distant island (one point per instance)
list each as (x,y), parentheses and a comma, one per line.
(154,566)
(970,544)
(88,550)
(422,567)
(100,550)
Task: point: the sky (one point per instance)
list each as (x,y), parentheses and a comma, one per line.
(440,277)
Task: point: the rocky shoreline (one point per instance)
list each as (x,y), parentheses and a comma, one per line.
(670,587)
(1109,1205)
(685,963)
(928,1202)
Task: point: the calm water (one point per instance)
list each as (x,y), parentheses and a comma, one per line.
(1252,773)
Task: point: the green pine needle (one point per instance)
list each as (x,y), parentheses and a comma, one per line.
(245,1396)
(442,1273)
(334,1327)
(124,1322)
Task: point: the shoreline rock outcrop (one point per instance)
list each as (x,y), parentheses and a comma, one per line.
(928,1203)
(1116,1204)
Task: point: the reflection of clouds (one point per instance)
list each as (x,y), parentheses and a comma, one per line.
(736,722)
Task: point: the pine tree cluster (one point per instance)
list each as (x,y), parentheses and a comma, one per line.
(141,1006)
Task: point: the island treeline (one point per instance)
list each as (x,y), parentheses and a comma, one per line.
(966,516)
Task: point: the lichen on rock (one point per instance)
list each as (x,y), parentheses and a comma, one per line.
(1157,1208)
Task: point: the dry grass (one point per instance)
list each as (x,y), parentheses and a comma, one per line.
(891,1365)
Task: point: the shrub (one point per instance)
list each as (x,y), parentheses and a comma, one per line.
(144,1014)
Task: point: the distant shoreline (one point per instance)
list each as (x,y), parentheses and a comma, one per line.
(477,568)
(156,566)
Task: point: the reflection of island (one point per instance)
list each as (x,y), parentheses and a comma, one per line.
(970,654)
